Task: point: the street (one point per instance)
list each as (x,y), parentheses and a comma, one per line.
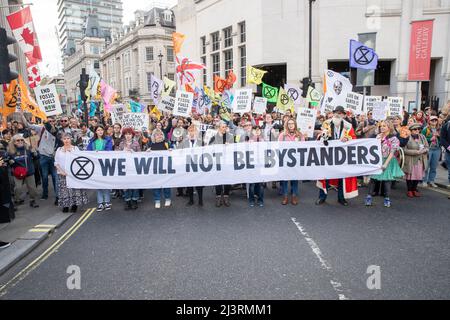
(276,252)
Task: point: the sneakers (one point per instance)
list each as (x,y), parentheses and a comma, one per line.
(108,206)
(34,205)
(158,205)
(251,204)
(387,202)
(368,201)
(100,207)
(4,245)
(433,185)
(168,203)
(261,204)
(424,185)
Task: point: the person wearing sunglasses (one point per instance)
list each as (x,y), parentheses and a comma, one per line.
(21,161)
(49,142)
(416,159)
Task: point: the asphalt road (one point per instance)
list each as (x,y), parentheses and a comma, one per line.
(275,252)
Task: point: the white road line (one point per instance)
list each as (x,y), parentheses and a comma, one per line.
(337,286)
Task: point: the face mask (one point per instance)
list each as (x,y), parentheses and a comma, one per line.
(337,121)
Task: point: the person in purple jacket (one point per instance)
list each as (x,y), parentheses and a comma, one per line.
(100,142)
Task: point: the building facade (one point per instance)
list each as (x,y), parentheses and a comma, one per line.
(87,55)
(274,35)
(144,47)
(72,15)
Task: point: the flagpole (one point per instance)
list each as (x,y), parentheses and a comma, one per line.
(418,102)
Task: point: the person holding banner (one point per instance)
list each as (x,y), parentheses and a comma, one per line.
(338,129)
(68,198)
(222,137)
(159,144)
(290,133)
(416,159)
(117,135)
(129,144)
(256,188)
(391,169)
(100,142)
(193,140)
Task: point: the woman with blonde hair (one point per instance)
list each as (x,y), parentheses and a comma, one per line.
(21,161)
(390,144)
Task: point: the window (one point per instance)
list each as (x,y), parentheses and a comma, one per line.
(96,64)
(149,81)
(215,41)
(95,50)
(228,58)
(149,53)
(228,37)
(171,76)
(242,32)
(383,73)
(243,57)
(204,71)
(170,57)
(203,42)
(216,65)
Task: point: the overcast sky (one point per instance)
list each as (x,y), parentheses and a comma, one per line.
(45,18)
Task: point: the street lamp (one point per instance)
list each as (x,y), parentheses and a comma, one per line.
(160,56)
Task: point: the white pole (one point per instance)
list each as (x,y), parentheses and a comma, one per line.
(418,104)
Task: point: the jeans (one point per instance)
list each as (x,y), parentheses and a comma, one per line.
(256,189)
(323,195)
(386,186)
(157,194)
(103,196)
(433,162)
(447,159)
(131,195)
(285,189)
(48,167)
(223,189)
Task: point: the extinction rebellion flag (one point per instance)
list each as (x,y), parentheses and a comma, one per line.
(362,57)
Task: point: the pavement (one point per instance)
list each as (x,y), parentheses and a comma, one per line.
(275,252)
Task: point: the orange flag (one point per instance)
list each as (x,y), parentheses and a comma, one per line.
(28,103)
(219,84)
(178,40)
(11,95)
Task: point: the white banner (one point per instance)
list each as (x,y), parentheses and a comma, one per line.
(223,164)
(48,100)
(380,111)
(183,104)
(260,105)
(338,87)
(306,121)
(395,106)
(369,102)
(137,121)
(242,102)
(354,102)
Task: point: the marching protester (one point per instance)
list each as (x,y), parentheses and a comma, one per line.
(69,199)
(193,140)
(86,135)
(432,134)
(225,138)
(129,144)
(290,133)
(338,129)
(391,169)
(49,142)
(416,159)
(256,189)
(21,161)
(100,142)
(159,144)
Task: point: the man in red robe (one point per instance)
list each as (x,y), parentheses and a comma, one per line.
(338,129)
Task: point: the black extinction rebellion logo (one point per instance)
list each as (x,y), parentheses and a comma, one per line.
(82,168)
(363,55)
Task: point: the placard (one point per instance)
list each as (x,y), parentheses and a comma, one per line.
(395,106)
(242,102)
(369,102)
(354,102)
(183,104)
(380,110)
(260,105)
(167,104)
(306,121)
(48,100)
(137,121)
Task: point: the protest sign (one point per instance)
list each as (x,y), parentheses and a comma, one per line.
(369,102)
(168,86)
(242,101)
(167,104)
(395,106)
(306,121)
(336,88)
(183,104)
(354,102)
(380,110)
(294,93)
(223,164)
(260,105)
(117,111)
(48,100)
(137,121)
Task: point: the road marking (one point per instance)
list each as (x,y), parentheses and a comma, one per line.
(44,256)
(46,226)
(337,286)
(40,230)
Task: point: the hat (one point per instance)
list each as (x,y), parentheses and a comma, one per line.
(415,126)
(434,118)
(339,109)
